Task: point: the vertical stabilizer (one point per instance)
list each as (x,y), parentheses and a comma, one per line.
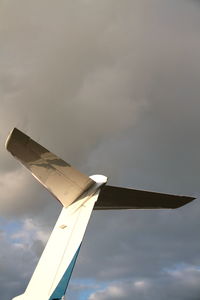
(53,272)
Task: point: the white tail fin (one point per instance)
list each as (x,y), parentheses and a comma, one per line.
(53,272)
(78,193)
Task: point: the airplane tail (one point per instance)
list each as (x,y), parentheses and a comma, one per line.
(78,194)
(67,184)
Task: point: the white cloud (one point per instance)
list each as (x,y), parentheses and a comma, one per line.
(29,232)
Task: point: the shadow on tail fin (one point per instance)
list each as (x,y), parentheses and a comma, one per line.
(61,179)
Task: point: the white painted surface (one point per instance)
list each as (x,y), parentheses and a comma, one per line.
(63,243)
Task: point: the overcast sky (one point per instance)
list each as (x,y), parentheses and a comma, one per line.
(112,87)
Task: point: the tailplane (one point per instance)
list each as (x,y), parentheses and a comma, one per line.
(60,178)
(113,197)
(78,194)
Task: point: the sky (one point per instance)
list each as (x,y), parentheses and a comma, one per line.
(113,88)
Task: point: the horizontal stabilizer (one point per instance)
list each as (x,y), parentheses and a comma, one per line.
(112,197)
(61,179)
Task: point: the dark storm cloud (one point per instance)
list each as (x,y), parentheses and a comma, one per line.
(112,87)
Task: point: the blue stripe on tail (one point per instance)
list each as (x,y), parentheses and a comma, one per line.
(61,288)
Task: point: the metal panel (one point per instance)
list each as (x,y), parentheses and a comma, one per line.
(61,179)
(53,271)
(112,197)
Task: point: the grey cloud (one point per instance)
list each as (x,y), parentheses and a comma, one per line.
(112,88)
(105,95)
(181,284)
(22,196)
(17,263)
(136,243)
